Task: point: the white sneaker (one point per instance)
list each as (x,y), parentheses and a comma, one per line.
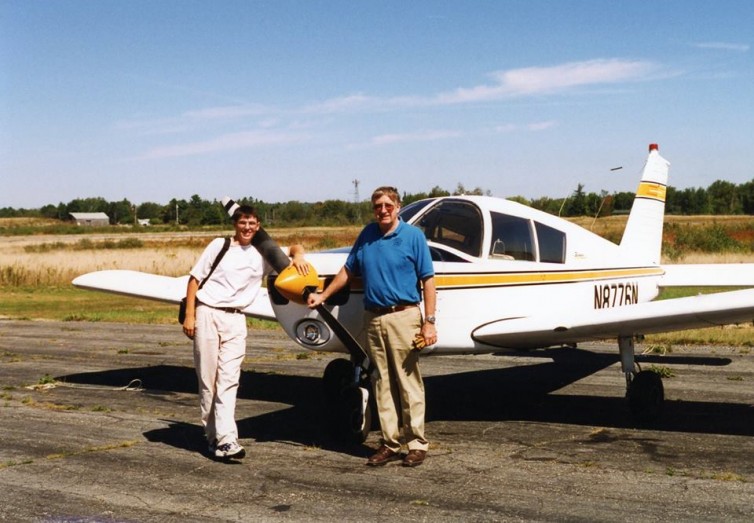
(230,450)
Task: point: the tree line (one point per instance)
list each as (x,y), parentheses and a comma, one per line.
(720,198)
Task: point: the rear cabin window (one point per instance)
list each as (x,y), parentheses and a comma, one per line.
(512,238)
(456,224)
(552,244)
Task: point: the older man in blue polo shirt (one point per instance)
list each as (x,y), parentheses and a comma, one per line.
(392,257)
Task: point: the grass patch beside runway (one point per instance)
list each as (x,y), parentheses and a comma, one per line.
(71,304)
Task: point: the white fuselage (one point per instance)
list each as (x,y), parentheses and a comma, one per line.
(480,284)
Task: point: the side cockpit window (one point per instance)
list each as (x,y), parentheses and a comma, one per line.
(512,238)
(457,224)
(516,238)
(552,244)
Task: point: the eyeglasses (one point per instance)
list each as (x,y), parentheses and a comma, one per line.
(388,207)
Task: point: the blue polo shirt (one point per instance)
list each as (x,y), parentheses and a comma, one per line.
(390,265)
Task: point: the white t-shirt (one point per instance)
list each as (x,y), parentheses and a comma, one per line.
(236,280)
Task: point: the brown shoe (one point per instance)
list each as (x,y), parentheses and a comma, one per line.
(383,456)
(414,458)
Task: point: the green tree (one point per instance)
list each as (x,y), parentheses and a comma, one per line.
(293,212)
(521,200)
(723,198)
(194,210)
(622,201)
(213,213)
(50,211)
(476,191)
(332,212)
(98,204)
(687,201)
(175,212)
(437,192)
(746,191)
(149,211)
(121,212)
(547,204)
(576,204)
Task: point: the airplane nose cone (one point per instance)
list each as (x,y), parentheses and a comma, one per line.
(292,285)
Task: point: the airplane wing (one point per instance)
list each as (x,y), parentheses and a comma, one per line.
(698,275)
(160,288)
(642,318)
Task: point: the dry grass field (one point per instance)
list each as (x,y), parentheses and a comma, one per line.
(36,270)
(55,260)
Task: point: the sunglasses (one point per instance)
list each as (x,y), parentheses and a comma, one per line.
(388,206)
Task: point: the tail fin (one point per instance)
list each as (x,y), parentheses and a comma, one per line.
(642,238)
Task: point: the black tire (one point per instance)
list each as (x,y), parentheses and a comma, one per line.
(357,421)
(338,375)
(646,395)
(343,404)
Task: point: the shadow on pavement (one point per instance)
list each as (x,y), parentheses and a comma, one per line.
(518,393)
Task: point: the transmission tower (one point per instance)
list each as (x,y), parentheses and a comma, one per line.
(357,200)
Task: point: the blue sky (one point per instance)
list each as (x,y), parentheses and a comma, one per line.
(293,100)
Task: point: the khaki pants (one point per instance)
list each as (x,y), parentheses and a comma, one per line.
(398,385)
(219,351)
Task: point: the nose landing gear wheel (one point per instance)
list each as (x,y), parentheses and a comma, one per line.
(347,402)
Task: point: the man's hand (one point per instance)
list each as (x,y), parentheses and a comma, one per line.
(314,300)
(189,327)
(302,266)
(429,333)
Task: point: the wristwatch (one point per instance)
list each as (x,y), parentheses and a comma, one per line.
(430,319)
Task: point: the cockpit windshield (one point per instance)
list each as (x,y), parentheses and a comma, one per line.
(455,223)
(410,210)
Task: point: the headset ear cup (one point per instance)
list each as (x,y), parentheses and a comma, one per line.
(182,311)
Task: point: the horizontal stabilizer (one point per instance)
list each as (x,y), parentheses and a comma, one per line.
(708,275)
(156,287)
(643,318)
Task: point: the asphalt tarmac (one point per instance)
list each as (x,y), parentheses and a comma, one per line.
(100,423)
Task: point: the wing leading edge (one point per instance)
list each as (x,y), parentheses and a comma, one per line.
(160,288)
(643,318)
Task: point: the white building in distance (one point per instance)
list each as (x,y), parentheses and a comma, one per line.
(91,219)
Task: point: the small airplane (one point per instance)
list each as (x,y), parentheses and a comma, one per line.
(509,278)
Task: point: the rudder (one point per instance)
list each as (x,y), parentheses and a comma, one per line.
(642,238)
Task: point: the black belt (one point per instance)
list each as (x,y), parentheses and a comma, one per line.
(379,311)
(231,310)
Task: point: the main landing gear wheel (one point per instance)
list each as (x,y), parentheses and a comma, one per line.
(646,395)
(347,402)
(644,389)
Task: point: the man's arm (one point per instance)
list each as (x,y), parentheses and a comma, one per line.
(341,280)
(189,324)
(429,290)
(296,253)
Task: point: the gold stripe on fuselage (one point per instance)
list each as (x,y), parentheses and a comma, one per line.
(508,279)
(450,281)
